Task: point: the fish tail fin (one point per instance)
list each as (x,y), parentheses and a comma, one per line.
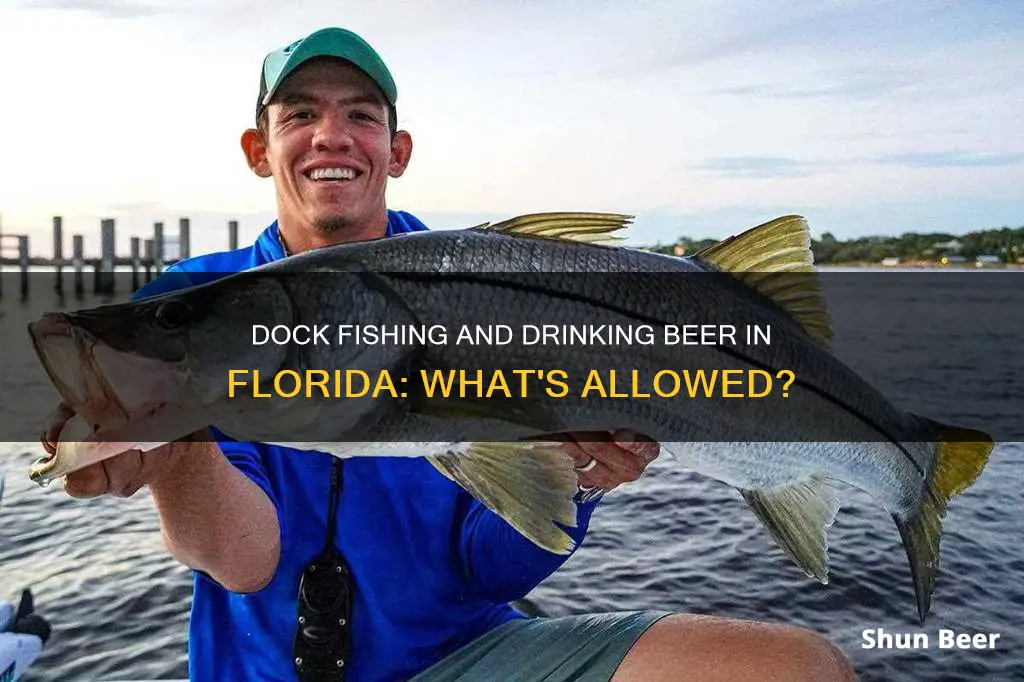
(961,455)
(529,484)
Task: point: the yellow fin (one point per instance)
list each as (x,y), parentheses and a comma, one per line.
(592,228)
(799,517)
(529,484)
(763,256)
(961,456)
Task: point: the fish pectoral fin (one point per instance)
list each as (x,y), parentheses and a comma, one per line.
(798,517)
(775,259)
(592,228)
(529,484)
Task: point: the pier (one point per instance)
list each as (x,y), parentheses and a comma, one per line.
(146,259)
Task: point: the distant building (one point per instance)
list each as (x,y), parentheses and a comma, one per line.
(951,245)
(891,261)
(987,259)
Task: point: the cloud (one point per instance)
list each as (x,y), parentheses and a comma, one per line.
(763,167)
(866,29)
(759,167)
(783,104)
(952,159)
(854,85)
(113,9)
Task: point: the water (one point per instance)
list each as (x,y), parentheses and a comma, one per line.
(672,540)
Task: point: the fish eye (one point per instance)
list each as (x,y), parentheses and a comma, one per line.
(173,314)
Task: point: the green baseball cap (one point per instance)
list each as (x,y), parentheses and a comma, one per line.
(327,42)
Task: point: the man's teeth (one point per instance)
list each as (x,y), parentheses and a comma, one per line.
(332,174)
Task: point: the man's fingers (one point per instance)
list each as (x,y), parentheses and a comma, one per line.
(601,477)
(624,464)
(607,460)
(638,444)
(601,463)
(124,473)
(121,476)
(88,482)
(579,458)
(596,474)
(54,425)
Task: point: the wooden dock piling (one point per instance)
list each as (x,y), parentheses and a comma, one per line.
(105,281)
(136,263)
(23,263)
(1,255)
(78,261)
(147,258)
(158,247)
(184,239)
(58,252)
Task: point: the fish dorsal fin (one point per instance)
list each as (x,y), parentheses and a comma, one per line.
(591,228)
(760,255)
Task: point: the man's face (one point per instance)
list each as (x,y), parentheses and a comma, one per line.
(329,149)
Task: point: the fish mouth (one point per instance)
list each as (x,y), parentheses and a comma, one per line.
(109,391)
(68,354)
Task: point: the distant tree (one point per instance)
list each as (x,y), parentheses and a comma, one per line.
(1005,242)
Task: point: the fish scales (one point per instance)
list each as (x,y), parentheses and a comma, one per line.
(157,368)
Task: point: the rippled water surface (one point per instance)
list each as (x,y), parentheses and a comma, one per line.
(673,540)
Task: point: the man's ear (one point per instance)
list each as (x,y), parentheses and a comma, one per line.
(255,148)
(401,152)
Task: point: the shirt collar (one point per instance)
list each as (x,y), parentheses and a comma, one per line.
(272,246)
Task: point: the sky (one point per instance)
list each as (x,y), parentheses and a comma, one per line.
(699,118)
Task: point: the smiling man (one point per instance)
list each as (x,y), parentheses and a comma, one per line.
(381,568)
(331,143)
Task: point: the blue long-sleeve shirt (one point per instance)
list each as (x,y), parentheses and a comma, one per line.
(433,568)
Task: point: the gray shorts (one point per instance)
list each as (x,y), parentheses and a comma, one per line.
(586,648)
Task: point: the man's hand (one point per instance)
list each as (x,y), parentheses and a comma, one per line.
(121,476)
(607,460)
(212,517)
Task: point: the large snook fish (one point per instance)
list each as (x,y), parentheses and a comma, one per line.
(143,373)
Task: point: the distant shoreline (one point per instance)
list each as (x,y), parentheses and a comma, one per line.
(924,265)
